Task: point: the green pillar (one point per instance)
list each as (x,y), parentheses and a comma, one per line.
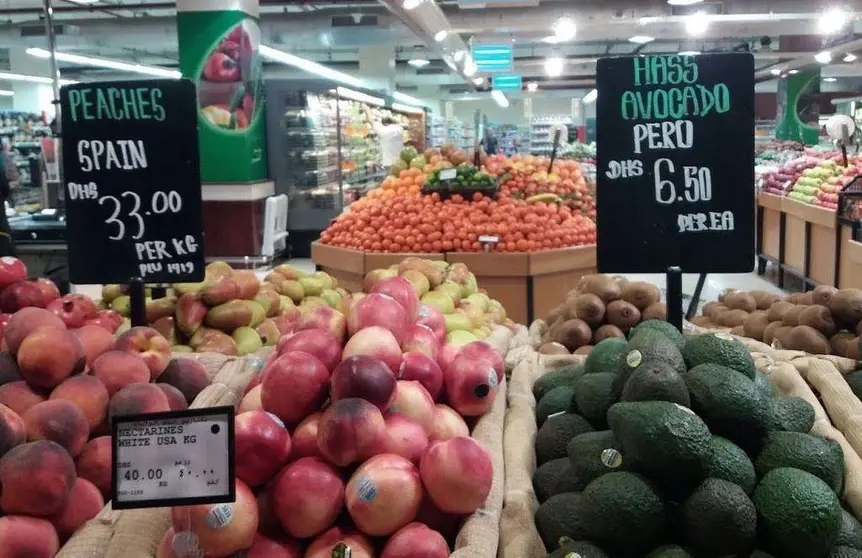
(798,110)
(218,48)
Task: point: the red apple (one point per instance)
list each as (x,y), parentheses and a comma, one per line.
(305,438)
(446,355)
(350,430)
(384,494)
(412,400)
(471,385)
(22,294)
(405,437)
(482,350)
(376,342)
(12,270)
(262,446)
(378,309)
(50,292)
(423,369)
(295,385)
(457,474)
(447,424)
(307,497)
(319,343)
(364,377)
(71,310)
(416,540)
(403,292)
(432,318)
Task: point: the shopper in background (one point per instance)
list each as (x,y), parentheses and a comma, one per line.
(491,142)
(8,172)
(391,136)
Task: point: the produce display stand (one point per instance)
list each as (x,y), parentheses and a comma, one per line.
(808,242)
(137,532)
(527,284)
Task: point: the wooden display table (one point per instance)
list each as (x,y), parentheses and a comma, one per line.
(528,285)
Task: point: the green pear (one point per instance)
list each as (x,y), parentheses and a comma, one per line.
(263,301)
(311,301)
(312,286)
(218,269)
(469,286)
(233,314)
(442,265)
(451,288)
(458,321)
(160,308)
(258,314)
(293,289)
(418,280)
(124,327)
(481,301)
(185,288)
(247,340)
(269,332)
(325,279)
(331,297)
(439,300)
(110,292)
(460,337)
(342,291)
(122,305)
(372,277)
(286,304)
(289,272)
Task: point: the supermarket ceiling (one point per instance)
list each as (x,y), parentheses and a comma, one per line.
(783,34)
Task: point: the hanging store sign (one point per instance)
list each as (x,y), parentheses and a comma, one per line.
(493,58)
(506,82)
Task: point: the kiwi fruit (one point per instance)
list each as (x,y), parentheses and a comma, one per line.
(801,298)
(574,334)
(724,294)
(702,321)
(851,349)
(713,310)
(621,281)
(823,294)
(781,337)
(623,314)
(740,301)
(756,324)
(764,299)
(641,294)
(585,350)
(657,311)
(846,307)
(733,318)
(738,331)
(839,341)
(602,286)
(553,348)
(777,310)
(791,317)
(607,331)
(806,338)
(590,308)
(820,318)
(769,332)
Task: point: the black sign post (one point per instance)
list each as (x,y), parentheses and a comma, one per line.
(675,168)
(133,189)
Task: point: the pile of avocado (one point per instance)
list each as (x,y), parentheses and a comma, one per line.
(662,446)
(468,179)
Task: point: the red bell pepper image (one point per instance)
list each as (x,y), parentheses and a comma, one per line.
(221,68)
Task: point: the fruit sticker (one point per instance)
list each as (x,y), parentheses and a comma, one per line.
(611,458)
(219,516)
(492,377)
(365,489)
(634,359)
(229,81)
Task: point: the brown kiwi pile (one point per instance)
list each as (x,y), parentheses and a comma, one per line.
(823,321)
(602,306)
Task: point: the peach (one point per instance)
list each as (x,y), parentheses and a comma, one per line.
(251,401)
(48,356)
(150,345)
(376,342)
(89,394)
(84,504)
(423,369)
(324,318)
(416,540)
(413,400)
(37,479)
(262,446)
(221,529)
(350,430)
(457,473)
(27,537)
(379,309)
(9,371)
(321,547)
(384,494)
(447,424)
(295,385)
(422,339)
(319,343)
(19,396)
(117,369)
(138,399)
(405,437)
(60,421)
(187,375)
(95,340)
(275,547)
(26,320)
(94,463)
(305,438)
(364,377)
(13,432)
(307,497)
(403,292)
(175,398)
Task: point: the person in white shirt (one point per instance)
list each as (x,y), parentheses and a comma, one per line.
(391,136)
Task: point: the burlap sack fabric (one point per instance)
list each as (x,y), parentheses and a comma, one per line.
(136,533)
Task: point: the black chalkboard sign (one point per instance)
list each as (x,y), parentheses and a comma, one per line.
(675,163)
(133,189)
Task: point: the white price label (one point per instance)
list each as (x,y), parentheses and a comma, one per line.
(173,459)
(448,174)
(489,239)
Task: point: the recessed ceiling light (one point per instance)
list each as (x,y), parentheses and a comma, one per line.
(478,80)
(793,72)
(824,57)
(564,29)
(683,2)
(532,86)
(441,35)
(830,79)
(696,24)
(418,62)
(410,4)
(551,40)
(459,55)
(850,57)
(554,66)
(470,68)
(641,39)
(832,21)
(689,53)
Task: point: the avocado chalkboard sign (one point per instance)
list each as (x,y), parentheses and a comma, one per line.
(675,163)
(132,175)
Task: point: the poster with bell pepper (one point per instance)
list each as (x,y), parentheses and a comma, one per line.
(219,52)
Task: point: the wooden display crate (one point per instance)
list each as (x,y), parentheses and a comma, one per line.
(528,285)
